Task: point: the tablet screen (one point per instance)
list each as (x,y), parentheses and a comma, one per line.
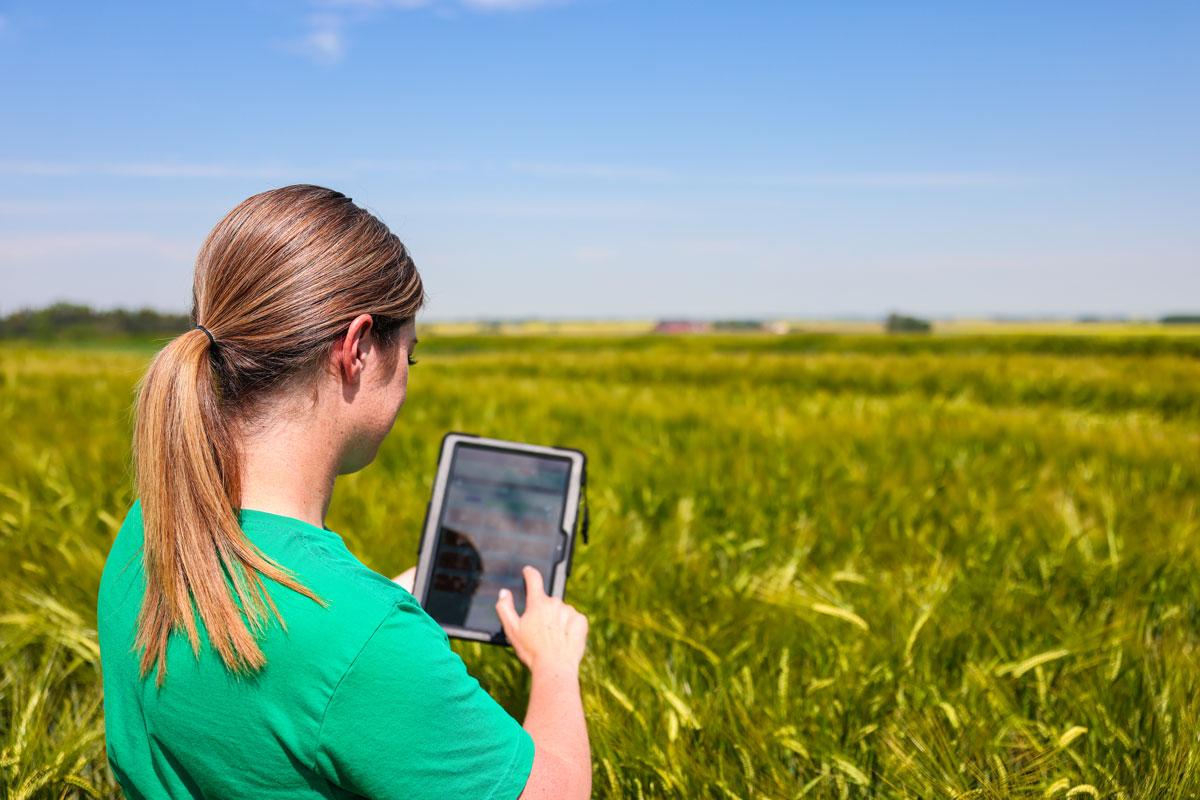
(501,510)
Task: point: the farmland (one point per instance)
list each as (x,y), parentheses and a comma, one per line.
(820,565)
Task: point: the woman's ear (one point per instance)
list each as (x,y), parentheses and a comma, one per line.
(349,352)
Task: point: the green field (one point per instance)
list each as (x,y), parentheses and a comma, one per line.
(821,566)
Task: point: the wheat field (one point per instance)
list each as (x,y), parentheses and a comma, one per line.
(820,565)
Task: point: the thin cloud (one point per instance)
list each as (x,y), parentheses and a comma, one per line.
(474,5)
(608,172)
(27,248)
(141,169)
(325,41)
(510,5)
(409,166)
(593,254)
(8,32)
(371,4)
(166,169)
(154,169)
(25,208)
(551,170)
(901,180)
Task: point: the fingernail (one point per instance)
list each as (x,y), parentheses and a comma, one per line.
(504,594)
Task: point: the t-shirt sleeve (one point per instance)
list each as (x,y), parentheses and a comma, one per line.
(408,721)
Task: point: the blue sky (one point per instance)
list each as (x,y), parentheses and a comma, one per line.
(609,158)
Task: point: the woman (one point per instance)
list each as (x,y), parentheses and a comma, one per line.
(245,651)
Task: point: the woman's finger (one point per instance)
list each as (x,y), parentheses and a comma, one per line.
(535,590)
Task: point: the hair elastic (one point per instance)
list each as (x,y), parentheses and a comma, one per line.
(207,333)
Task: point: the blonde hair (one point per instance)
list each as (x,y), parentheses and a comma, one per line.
(277,281)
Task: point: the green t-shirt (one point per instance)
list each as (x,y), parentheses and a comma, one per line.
(362,697)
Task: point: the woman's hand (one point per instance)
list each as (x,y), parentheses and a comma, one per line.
(406,578)
(549,638)
(550,634)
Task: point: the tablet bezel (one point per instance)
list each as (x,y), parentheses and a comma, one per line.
(433,514)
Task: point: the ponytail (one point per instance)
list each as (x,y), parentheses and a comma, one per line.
(194,550)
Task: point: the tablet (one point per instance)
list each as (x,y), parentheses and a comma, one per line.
(496,506)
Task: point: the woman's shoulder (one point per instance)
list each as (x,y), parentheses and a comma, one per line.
(322,561)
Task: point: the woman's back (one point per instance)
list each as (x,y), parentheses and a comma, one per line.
(360,697)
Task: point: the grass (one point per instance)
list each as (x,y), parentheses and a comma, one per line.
(821,566)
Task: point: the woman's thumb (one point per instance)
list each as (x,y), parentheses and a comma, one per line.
(507,613)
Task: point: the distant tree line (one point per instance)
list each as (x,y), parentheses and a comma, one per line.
(900,323)
(73,321)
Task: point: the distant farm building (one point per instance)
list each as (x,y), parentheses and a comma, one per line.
(682,326)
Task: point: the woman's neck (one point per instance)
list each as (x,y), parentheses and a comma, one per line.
(288,467)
